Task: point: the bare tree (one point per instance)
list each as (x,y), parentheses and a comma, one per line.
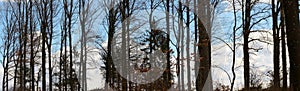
(276,46)
(234,46)
(181,38)
(203,45)
(246,32)
(9,29)
(87,16)
(283,45)
(188,45)
(168,50)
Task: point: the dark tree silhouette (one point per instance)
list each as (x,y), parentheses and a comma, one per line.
(291,13)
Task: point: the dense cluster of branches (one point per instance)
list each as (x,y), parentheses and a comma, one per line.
(40,53)
(157,39)
(27,61)
(285,22)
(40,43)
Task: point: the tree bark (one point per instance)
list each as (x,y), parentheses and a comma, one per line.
(123,44)
(43,31)
(293,41)
(234,47)
(283,46)
(204,45)
(246,32)
(188,46)
(276,78)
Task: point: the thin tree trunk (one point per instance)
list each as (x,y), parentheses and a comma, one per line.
(168,69)
(65,35)
(8,41)
(196,57)
(5,62)
(60,63)
(188,46)
(72,72)
(15,76)
(50,44)
(31,46)
(276,79)
(61,57)
(177,49)
(283,47)
(25,38)
(84,62)
(83,55)
(65,84)
(246,32)
(234,46)
(181,37)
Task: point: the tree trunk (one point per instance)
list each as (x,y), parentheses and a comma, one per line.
(293,41)
(31,46)
(196,57)
(188,46)
(283,46)
(181,37)
(111,30)
(123,44)
(43,31)
(25,38)
(246,32)
(204,52)
(203,75)
(234,47)
(50,44)
(177,48)
(168,68)
(276,78)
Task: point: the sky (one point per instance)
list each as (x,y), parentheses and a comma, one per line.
(221,54)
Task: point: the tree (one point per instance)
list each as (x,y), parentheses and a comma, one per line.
(246,32)
(49,42)
(283,45)
(125,11)
(276,46)
(291,12)
(87,16)
(234,46)
(203,45)
(196,58)
(43,25)
(70,77)
(167,73)
(188,45)
(46,12)
(251,18)
(31,45)
(8,53)
(181,38)
(67,76)
(112,19)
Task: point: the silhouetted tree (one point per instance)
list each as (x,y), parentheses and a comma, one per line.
(293,33)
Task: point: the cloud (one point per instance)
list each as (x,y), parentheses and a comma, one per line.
(222,57)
